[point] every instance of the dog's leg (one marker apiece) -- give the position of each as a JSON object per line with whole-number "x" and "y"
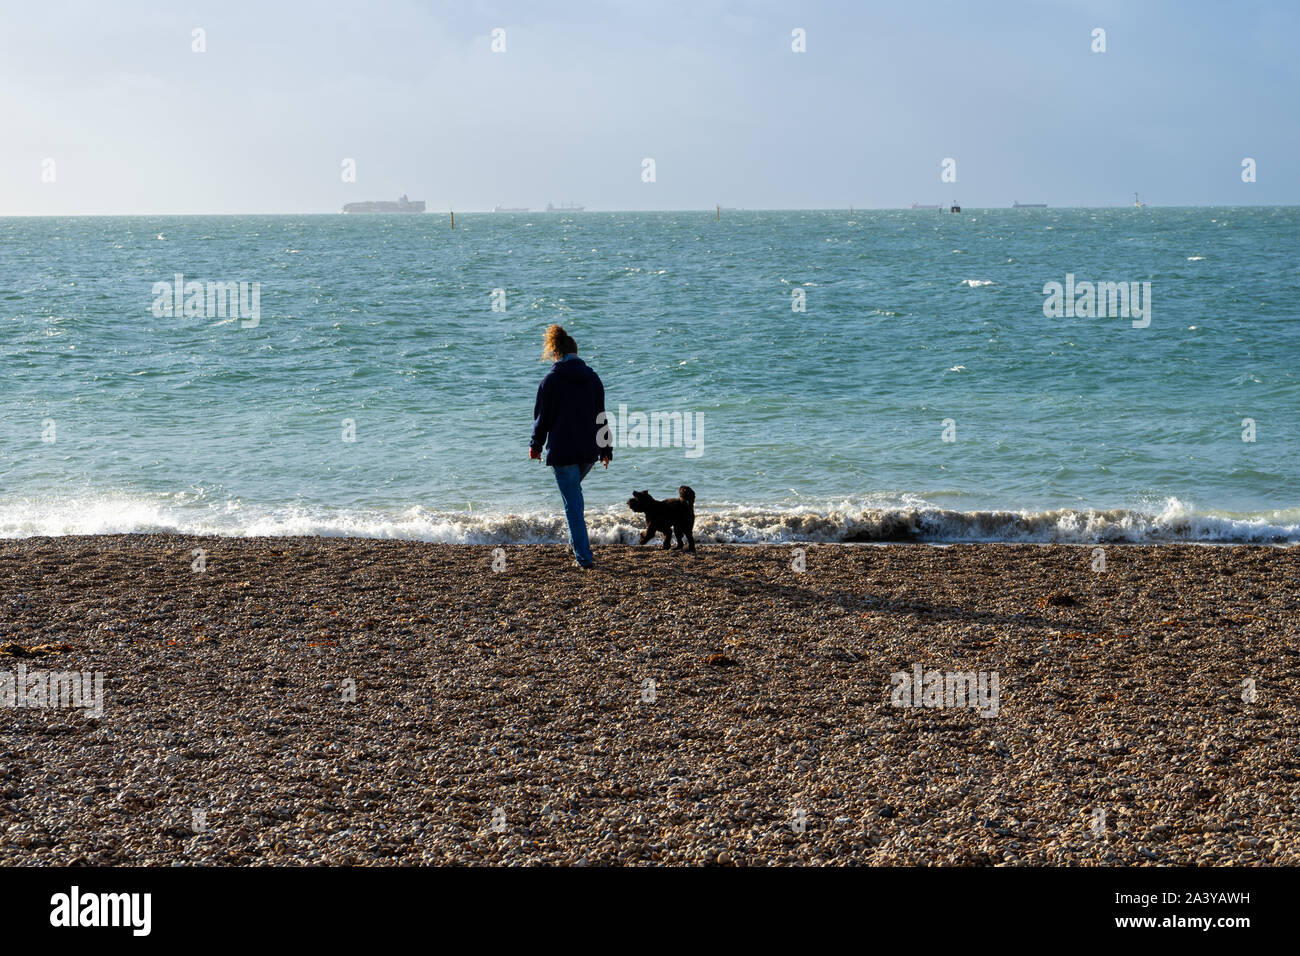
{"x": 690, "y": 536}
{"x": 645, "y": 535}
{"x": 677, "y": 533}
{"x": 668, "y": 537}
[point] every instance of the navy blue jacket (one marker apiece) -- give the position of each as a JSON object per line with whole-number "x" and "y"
{"x": 569, "y": 400}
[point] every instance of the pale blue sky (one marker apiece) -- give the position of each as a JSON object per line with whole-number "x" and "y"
{"x": 260, "y": 122}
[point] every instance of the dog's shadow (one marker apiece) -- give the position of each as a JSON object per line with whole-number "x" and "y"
{"x": 854, "y": 601}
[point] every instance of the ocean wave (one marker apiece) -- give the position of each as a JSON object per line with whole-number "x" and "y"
{"x": 919, "y": 523}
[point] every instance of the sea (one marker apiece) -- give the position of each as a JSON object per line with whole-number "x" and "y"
{"x": 814, "y": 376}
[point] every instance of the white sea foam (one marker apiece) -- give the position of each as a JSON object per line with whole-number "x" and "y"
{"x": 907, "y": 522}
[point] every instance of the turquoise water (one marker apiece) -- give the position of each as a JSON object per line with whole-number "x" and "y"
{"x": 826, "y": 424}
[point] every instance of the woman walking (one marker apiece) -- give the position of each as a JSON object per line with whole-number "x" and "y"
{"x": 567, "y": 419}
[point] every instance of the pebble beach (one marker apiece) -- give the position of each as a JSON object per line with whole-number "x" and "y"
{"x": 287, "y": 701}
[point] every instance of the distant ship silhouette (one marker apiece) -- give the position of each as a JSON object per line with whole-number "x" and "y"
{"x": 402, "y": 205}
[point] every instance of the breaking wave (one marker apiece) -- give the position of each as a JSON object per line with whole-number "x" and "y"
{"x": 922, "y": 523}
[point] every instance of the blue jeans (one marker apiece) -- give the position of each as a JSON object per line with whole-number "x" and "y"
{"x": 569, "y": 478}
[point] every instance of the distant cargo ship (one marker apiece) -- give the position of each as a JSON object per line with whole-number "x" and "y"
{"x": 1028, "y": 205}
{"x": 511, "y": 209}
{"x": 919, "y": 206}
{"x": 383, "y": 205}
{"x": 564, "y": 207}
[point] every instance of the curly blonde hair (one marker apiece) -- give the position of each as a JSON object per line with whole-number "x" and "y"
{"x": 557, "y": 343}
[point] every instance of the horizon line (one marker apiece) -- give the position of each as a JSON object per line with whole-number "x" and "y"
{"x": 688, "y": 209}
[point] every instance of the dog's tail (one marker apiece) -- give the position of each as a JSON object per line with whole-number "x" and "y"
{"x": 686, "y": 494}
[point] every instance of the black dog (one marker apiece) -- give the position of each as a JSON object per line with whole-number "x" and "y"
{"x": 676, "y": 516}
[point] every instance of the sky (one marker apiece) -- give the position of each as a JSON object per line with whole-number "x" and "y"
{"x": 112, "y": 103}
